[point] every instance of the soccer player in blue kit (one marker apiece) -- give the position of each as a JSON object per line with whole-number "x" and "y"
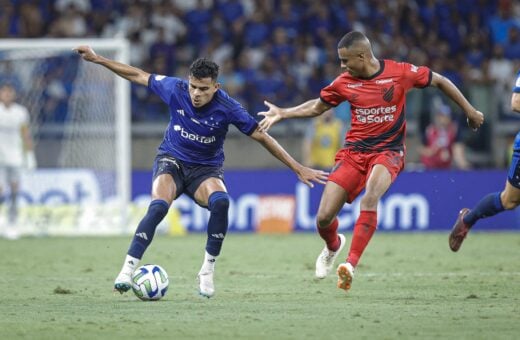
{"x": 497, "y": 202}
{"x": 191, "y": 155}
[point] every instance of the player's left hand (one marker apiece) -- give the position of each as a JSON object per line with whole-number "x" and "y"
{"x": 272, "y": 116}
{"x": 308, "y": 175}
{"x": 475, "y": 119}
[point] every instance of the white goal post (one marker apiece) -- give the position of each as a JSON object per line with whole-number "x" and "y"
{"x": 80, "y": 120}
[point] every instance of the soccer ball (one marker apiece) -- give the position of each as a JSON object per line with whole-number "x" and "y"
{"x": 150, "y": 282}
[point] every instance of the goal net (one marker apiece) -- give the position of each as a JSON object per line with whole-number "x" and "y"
{"x": 80, "y": 123}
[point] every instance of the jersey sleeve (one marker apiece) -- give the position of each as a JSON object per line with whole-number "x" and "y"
{"x": 416, "y": 76}
{"x": 330, "y": 94}
{"x": 516, "y": 88}
{"x": 24, "y": 116}
{"x": 243, "y": 120}
{"x": 163, "y": 86}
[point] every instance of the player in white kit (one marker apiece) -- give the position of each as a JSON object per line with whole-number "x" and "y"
{"x": 16, "y": 152}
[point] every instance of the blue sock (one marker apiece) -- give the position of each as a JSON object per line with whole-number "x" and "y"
{"x": 218, "y": 205}
{"x": 488, "y": 206}
{"x": 146, "y": 228}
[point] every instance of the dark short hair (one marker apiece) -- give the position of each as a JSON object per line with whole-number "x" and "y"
{"x": 7, "y": 84}
{"x": 350, "y": 38}
{"x": 204, "y": 68}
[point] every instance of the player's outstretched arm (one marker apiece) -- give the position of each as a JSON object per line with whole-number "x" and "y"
{"x": 306, "y": 175}
{"x": 311, "y": 108}
{"x": 128, "y": 72}
{"x": 475, "y": 117}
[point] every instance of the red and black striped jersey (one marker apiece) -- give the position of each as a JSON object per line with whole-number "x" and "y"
{"x": 377, "y": 104}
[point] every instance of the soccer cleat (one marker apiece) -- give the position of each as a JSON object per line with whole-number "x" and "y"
{"x": 206, "y": 286}
{"x": 459, "y": 231}
{"x": 345, "y": 274}
{"x": 123, "y": 282}
{"x": 326, "y": 259}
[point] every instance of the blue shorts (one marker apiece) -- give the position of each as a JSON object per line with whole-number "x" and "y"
{"x": 514, "y": 170}
{"x": 187, "y": 177}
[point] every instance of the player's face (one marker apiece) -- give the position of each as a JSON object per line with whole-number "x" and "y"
{"x": 351, "y": 61}
{"x": 202, "y": 90}
{"x": 7, "y": 95}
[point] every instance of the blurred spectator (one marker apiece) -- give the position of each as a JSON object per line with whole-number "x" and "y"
{"x": 442, "y": 147}
{"x": 166, "y": 18}
{"x": 31, "y": 20}
{"x": 71, "y": 23}
{"x": 323, "y": 138}
{"x": 64, "y": 5}
{"x": 501, "y": 22}
{"x": 8, "y": 20}
{"x": 512, "y": 46}
{"x": 501, "y": 71}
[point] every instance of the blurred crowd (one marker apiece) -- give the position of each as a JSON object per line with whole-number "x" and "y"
{"x": 285, "y": 50}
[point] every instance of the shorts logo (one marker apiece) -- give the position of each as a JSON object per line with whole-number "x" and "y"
{"x": 171, "y": 160}
{"x": 336, "y": 166}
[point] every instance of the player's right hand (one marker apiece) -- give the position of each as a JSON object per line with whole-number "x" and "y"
{"x": 309, "y": 175}
{"x": 475, "y": 119}
{"x": 86, "y": 52}
{"x": 272, "y": 116}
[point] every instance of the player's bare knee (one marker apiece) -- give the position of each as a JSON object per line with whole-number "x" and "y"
{"x": 324, "y": 219}
{"x": 369, "y": 202}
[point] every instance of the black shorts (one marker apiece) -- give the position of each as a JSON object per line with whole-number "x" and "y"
{"x": 187, "y": 177}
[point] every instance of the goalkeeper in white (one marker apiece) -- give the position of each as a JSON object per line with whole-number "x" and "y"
{"x": 16, "y": 152}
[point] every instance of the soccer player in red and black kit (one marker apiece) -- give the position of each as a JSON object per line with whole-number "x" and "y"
{"x": 374, "y": 151}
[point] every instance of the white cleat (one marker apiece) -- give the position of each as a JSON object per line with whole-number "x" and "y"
{"x": 123, "y": 282}
{"x": 345, "y": 275}
{"x": 326, "y": 259}
{"x": 206, "y": 286}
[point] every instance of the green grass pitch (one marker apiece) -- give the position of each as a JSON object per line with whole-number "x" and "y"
{"x": 407, "y": 286}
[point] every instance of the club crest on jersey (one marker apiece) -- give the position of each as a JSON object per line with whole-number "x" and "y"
{"x": 388, "y": 94}
{"x": 353, "y": 97}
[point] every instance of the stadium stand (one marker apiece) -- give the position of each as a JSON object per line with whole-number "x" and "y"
{"x": 284, "y": 50}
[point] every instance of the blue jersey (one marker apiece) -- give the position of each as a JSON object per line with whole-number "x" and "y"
{"x": 196, "y": 135}
{"x": 516, "y": 89}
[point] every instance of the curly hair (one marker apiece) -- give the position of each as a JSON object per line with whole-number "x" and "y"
{"x": 204, "y": 68}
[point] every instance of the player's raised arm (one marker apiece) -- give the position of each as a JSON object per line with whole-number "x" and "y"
{"x": 475, "y": 117}
{"x": 305, "y": 174}
{"x": 128, "y": 72}
{"x": 311, "y": 108}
